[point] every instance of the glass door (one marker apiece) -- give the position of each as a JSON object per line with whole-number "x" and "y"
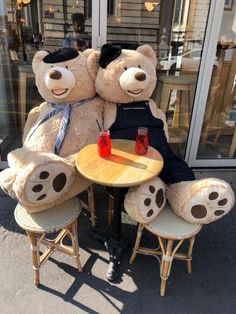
{"x": 176, "y": 30}
{"x": 27, "y": 26}
{"x": 213, "y": 133}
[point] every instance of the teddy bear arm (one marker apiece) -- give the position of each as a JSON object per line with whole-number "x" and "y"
{"x": 31, "y": 120}
{"x": 71, "y": 159}
{"x": 159, "y": 114}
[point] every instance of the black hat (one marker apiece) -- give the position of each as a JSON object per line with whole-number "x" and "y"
{"x": 61, "y": 55}
{"x": 108, "y": 54}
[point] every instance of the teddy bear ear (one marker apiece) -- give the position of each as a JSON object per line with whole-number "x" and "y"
{"x": 93, "y": 62}
{"x": 87, "y": 52}
{"x": 38, "y": 57}
{"x": 148, "y": 52}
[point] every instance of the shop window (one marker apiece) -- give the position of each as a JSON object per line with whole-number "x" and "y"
{"x": 88, "y": 8}
{"x": 179, "y": 12}
{"x": 110, "y": 7}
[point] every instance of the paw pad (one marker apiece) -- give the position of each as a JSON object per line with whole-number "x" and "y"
{"x": 152, "y": 189}
{"x": 199, "y": 211}
{"x": 48, "y": 182}
{"x": 223, "y": 202}
{"x": 44, "y": 175}
{"x": 147, "y": 202}
{"x": 152, "y": 202}
{"x": 160, "y": 198}
{"x": 213, "y": 196}
{"x": 41, "y": 197}
{"x": 208, "y": 205}
{"x": 37, "y": 188}
{"x": 59, "y": 182}
{"x": 219, "y": 212}
{"x": 144, "y": 203}
{"x": 151, "y": 199}
{"x": 150, "y": 213}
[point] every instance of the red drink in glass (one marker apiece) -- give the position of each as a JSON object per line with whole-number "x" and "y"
{"x": 104, "y": 144}
{"x": 141, "y": 145}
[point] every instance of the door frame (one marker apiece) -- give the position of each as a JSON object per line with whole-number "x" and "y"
{"x": 99, "y": 23}
{"x": 202, "y": 90}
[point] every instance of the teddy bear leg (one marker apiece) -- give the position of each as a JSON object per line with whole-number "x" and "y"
{"x": 144, "y": 203}
{"x": 201, "y": 201}
{"x": 44, "y": 179}
{"x": 7, "y": 178}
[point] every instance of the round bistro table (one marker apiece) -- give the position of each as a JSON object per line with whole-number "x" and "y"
{"x": 124, "y": 168}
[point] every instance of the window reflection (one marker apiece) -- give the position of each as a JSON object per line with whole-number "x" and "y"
{"x": 218, "y": 137}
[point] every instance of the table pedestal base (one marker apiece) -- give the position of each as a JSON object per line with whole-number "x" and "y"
{"x": 114, "y": 248}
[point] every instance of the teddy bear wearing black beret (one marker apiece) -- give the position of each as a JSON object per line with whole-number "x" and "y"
{"x": 126, "y": 80}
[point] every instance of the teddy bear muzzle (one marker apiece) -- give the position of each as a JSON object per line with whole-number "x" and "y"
{"x": 133, "y": 81}
{"x": 59, "y": 81}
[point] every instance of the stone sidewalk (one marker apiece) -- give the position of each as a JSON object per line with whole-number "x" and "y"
{"x": 211, "y": 288}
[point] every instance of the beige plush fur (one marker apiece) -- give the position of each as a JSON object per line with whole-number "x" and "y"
{"x": 201, "y": 201}
{"x": 136, "y": 196}
{"x": 129, "y": 78}
{"x": 37, "y": 177}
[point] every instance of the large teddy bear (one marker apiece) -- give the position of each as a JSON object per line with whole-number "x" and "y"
{"x": 42, "y": 173}
{"x": 126, "y": 80}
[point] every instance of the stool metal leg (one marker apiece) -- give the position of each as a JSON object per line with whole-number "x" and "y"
{"x": 137, "y": 243}
{"x": 75, "y": 244}
{"x": 35, "y": 256}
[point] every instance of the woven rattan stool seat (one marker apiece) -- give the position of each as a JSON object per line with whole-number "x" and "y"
{"x": 170, "y": 226}
{"x": 49, "y": 220}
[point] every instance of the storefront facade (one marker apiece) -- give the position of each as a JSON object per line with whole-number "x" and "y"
{"x": 195, "y": 42}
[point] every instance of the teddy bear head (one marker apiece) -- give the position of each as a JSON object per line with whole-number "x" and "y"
{"x": 126, "y": 75}
{"x": 62, "y": 76}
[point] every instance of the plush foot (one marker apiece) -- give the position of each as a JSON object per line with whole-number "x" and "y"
{"x": 201, "y": 201}
{"x": 144, "y": 203}
{"x": 45, "y": 183}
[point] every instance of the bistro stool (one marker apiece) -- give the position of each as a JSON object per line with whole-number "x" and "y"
{"x": 61, "y": 219}
{"x": 168, "y": 228}
{"x": 184, "y": 85}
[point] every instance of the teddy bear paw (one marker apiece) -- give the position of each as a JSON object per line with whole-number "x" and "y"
{"x": 47, "y": 183}
{"x": 145, "y": 202}
{"x": 208, "y": 204}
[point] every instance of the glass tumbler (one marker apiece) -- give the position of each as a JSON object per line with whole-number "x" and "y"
{"x": 104, "y": 144}
{"x": 141, "y": 145}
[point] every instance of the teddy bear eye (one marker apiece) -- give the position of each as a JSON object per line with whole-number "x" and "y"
{"x": 139, "y": 66}
{"x": 125, "y": 68}
{"x": 66, "y": 66}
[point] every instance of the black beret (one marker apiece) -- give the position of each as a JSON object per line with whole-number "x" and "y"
{"x": 108, "y": 54}
{"x": 61, "y": 55}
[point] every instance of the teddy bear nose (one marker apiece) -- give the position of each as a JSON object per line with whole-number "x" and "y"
{"x": 55, "y": 75}
{"x": 140, "y": 76}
